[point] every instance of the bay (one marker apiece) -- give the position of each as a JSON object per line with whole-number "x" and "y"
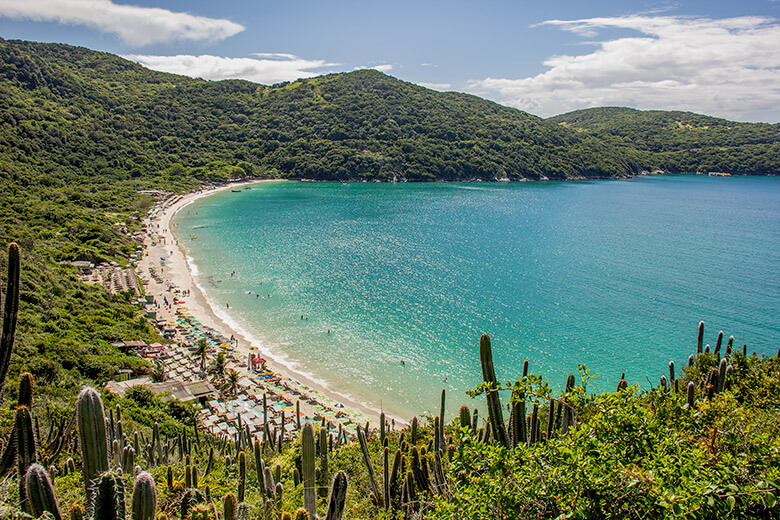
{"x": 381, "y": 291}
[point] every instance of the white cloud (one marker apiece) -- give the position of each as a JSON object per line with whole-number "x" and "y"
{"x": 728, "y": 67}
{"x": 282, "y": 67}
{"x": 133, "y": 24}
{"x": 381, "y": 67}
{"x": 435, "y": 86}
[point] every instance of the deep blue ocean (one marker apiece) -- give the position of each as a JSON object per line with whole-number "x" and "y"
{"x": 615, "y": 275}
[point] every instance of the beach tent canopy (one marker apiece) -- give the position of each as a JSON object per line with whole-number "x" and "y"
{"x": 258, "y": 360}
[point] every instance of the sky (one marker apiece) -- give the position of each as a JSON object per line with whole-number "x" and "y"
{"x": 715, "y": 57}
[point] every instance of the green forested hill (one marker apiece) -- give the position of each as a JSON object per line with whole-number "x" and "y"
{"x": 684, "y": 142}
{"x": 102, "y": 114}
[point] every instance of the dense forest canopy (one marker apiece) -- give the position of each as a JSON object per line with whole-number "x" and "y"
{"x": 684, "y": 142}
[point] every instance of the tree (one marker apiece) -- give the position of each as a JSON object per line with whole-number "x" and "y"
{"x": 158, "y": 374}
{"x": 201, "y": 351}
{"x": 218, "y": 369}
{"x": 231, "y": 384}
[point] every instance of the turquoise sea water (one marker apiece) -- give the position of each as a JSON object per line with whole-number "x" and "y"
{"x": 612, "y": 274}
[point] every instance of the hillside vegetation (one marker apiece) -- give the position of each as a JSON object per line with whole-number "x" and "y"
{"x": 684, "y": 142}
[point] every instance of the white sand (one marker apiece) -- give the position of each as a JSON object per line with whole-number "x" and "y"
{"x": 176, "y": 272}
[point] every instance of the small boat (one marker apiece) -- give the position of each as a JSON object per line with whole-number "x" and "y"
{"x": 193, "y": 238}
{"x": 236, "y": 191}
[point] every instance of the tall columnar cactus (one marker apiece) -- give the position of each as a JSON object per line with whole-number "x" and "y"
{"x": 229, "y": 506}
{"x": 494, "y": 405}
{"x": 338, "y": 497}
{"x": 109, "y": 493}
{"x": 144, "y": 497}
{"x": 729, "y": 346}
{"x": 367, "y": 460}
{"x": 465, "y": 417}
{"x": 440, "y": 431}
{"x": 323, "y": 456}
{"x": 26, "y": 387}
{"x": 700, "y": 341}
{"x": 10, "y": 312}
{"x": 722, "y": 375}
{"x": 241, "y": 476}
{"x": 690, "y": 396}
{"x": 717, "y": 344}
{"x": 92, "y": 438}
{"x": 40, "y": 493}
{"x": 25, "y": 448}
{"x": 567, "y": 421}
{"x": 413, "y": 433}
{"x": 550, "y": 420}
{"x": 386, "y": 475}
{"x": 307, "y": 467}
{"x": 671, "y": 372}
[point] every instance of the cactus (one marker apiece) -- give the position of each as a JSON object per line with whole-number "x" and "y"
{"x": 568, "y": 413}
{"x": 550, "y": 420}
{"x": 413, "y": 439}
{"x": 494, "y": 406}
{"x": 367, "y": 460}
{"x": 722, "y": 375}
{"x": 382, "y": 428}
{"x": 128, "y": 459}
{"x": 465, "y": 417}
{"x": 40, "y": 493}
{"x": 717, "y": 344}
{"x": 323, "y": 456}
{"x": 229, "y": 504}
{"x": 534, "y": 437}
{"x": 25, "y": 448}
{"x": 671, "y": 372}
{"x": 241, "y": 476}
{"x": 302, "y": 514}
{"x": 144, "y": 497}
{"x": 700, "y": 341}
{"x": 26, "y": 387}
{"x": 92, "y": 438}
{"x": 338, "y": 497}
{"x": 209, "y": 462}
{"x": 664, "y": 383}
{"x": 386, "y": 475}
{"x": 440, "y": 431}
{"x": 307, "y": 467}
{"x": 10, "y": 312}
{"x": 189, "y": 499}
{"x": 729, "y": 346}
{"x": 109, "y": 498}
{"x": 691, "y": 390}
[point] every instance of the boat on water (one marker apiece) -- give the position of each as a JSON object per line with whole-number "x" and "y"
{"x": 236, "y": 191}
{"x": 719, "y": 174}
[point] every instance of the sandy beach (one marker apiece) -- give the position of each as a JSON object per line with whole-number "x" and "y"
{"x": 177, "y": 279}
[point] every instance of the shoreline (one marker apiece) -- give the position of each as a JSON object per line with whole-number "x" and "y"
{"x": 177, "y": 272}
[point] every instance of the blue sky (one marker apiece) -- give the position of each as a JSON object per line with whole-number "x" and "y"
{"x": 545, "y": 57}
